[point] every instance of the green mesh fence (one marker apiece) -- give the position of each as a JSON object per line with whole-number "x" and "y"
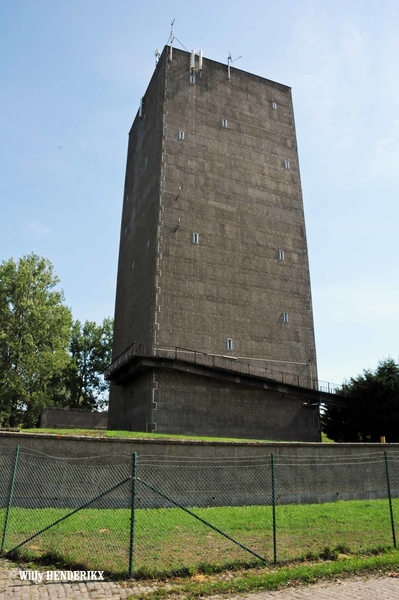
{"x": 231, "y": 498}
{"x": 191, "y": 516}
{"x": 329, "y": 507}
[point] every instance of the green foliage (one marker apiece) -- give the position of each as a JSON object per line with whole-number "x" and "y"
{"x": 46, "y": 359}
{"x": 34, "y": 335}
{"x": 373, "y": 407}
{"x": 90, "y": 349}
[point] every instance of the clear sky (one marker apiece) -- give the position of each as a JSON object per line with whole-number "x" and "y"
{"x": 71, "y": 77}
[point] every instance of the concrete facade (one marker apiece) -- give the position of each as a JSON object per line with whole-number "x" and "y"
{"x": 213, "y": 248}
{"x": 186, "y": 403}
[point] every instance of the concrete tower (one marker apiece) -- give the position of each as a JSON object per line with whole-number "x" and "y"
{"x": 213, "y": 321}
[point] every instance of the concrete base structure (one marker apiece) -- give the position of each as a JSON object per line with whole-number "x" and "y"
{"x": 188, "y": 404}
{"x": 166, "y": 395}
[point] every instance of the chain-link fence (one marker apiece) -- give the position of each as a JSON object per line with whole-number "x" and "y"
{"x": 142, "y": 516}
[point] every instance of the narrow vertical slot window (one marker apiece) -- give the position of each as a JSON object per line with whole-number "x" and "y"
{"x": 281, "y": 254}
{"x": 285, "y": 317}
{"x": 192, "y": 78}
{"x": 274, "y": 105}
{"x": 229, "y": 344}
{"x": 224, "y": 122}
{"x": 287, "y": 165}
{"x": 195, "y": 238}
{"x": 181, "y": 135}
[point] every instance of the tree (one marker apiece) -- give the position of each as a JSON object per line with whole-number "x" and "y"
{"x": 90, "y": 349}
{"x": 34, "y": 334}
{"x": 372, "y": 407}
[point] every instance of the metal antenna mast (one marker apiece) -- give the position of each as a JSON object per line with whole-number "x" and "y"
{"x": 171, "y": 38}
{"x": 230, "y": 62}
{"x": 172, "y": 33}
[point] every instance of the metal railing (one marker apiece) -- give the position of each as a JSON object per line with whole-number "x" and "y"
{"x": 254, "y": 367}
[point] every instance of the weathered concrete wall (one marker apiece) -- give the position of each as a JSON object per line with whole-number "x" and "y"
{"x": 135, "y": 295}
{"x": 119, "y": 450}
{"x": 169, "y": 401}
{"x": 231, "y": 186}
{"x": 68, "y": 471}
{"x": 195, "y": 405}
{"x": 138, "y": 404}
{"x": 60, "y": 418}
{"x": 238, "y": 187}
{"x": 132, "y": 406}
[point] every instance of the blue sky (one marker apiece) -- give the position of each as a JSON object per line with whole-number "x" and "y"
{"x": 72, "y": 74}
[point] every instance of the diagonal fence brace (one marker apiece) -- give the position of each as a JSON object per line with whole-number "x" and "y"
{"x": 154, "y": 489}
{"x": 69, "y": 515}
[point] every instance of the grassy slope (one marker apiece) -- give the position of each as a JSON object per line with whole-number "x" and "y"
{"x": 142, "y": 435}
{"x": 137, "y": 435}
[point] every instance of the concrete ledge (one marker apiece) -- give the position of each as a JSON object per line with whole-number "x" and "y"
{"x": 119, "y": 450}
{"x": 140, "y": 363}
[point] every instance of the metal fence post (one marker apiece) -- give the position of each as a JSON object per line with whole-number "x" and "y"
{"x": 10, "y": 494}
{"x": 390, "y": 499}
{"x": 132, "y": 513}
{"x": 273, "y": 508}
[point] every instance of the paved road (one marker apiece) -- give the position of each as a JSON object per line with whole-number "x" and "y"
{"x": 354, "y": 588}
{"x": 358, "y": 588}
{"x": 13, "y": 588}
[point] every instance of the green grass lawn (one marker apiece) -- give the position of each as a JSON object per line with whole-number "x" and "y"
{"x": 137, "y": 434}
{"x": 169, "y": 541}
{"x": 256, "y": 579}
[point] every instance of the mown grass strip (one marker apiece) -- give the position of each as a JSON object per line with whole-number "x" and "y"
{"x": 266, "y": 579}
{"x": 169, "y": 542}
{"x": 141, "y": 435}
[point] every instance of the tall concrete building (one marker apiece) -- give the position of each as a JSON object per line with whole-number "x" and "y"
{"x": 213, "y": 321}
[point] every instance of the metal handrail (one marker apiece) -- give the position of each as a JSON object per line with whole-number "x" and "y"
{"x": 224, "y": 362}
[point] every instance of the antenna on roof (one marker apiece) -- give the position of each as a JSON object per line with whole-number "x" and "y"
{"x": 171, "y": 38}
{"x": 230, "y": 62}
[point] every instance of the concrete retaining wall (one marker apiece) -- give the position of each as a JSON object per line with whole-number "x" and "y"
{"x": 72, "y": 419}
{"x": 105, "y": 450}
{"x": 67, "y": 471}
